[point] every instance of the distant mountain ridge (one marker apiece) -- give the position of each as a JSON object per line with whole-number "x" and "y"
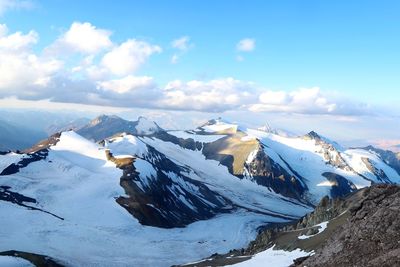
{"x": 106, "y": 126}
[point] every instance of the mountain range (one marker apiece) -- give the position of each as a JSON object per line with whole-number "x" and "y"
{"x": 134, "y": 194}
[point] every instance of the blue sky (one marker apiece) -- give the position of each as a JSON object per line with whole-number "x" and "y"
{"x": 335, "y": 58}
{"x": 346, "y": 46}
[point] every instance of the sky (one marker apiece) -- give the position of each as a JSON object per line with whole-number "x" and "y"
{"x": 328, "y": 65}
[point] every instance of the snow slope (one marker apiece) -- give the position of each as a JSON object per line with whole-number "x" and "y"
{"x": 8, "y": 261}
{"x": 77, "y": 183}
{"x": 305, "y": 157}
{"x": 196, "y": 137}
{"x": 271, "y": 257}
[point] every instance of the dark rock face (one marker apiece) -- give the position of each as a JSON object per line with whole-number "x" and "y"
{"x": 380, "y": 174}
{"x": 171, "y": 199}
{"x": 340, "y": 185}
{"x": 371, "y": 235}
{"x": 188, "y": 143}
{"x": 267, "y": 172}
{"x": 329, "y": 151}
{"x": 104, "y": 126}
{"x": 32, "y": 157}
{"x": 14, "y": 197}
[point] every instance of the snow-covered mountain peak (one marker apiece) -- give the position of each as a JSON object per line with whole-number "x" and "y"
{"x": 146, "y": 127}
{"x": 268, "y": 129}
{"x": 103, "y": 119}
{"x": 323, "y": 141}
{"x": 70, "y": 141}
{"x": 313, "y": 135}
{"x": 219, "y": 126}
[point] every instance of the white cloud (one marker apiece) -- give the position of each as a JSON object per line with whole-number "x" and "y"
{"x": 214, "y": 95}
{"x": 3, "y": 29}
{"x": 174, "y": 59}
{"x": 181, "y": 43}
{"x": 303, "y": 101}
{"x": 83, "y": 38}
{"x": 108, "y": 79}
{"x": 246, "y": 45}
{"x": 128, "y": 57}
{"x": 23, "y": 72}
{"x": 127, "y": 84}
{"x": 274, "y": 97}
{"x": 16, "y": 41}
{"x": 6, "y": 5}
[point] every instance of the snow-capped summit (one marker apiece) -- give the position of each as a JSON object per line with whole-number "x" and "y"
{"x": 218, "y": 126}
{"x": 146, "y": 127}
{"x": 312, "y": 135}
{"x": 269, "y": 129}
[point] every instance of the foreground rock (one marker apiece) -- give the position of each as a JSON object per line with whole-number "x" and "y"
{"x": 371, "y": 235}
{"x": 362, "y": 229}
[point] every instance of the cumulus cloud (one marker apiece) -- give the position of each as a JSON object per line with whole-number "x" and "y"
{"x": 17, "y": 41}
{"x": 29, "y": 75}
{"x": 106, "y": 75}
{"x": 22, "y": 71}
{"x": 127, "y": 57}
{"x": 306, "y": 101}
{"x": 127, "y": 84}
{"x": 246, "y": 45}
{"x": 83, "y": 38}
{"x": 215, "y": 95}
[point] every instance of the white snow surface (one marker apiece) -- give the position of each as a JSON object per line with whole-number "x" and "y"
{"x": 217, "y": 177}
{"x": 8, "y": 159}
{"x": 303, "y": 156}
{"x": 321, "y": 227}
{"x": 77, "y": 183}
{"x": 197, "y": 137}
{"x": 219, "y": 126}
{"x": 354, "y": 158}
{"x": 126, "y": 144}
{"x": 145, "y": 126}
{"x": 273, "y": 258}
{"x": 9, "y": 261}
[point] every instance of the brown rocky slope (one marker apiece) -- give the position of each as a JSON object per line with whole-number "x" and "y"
{"x": 363, "y": 229}
{"x": 369, "y": 237}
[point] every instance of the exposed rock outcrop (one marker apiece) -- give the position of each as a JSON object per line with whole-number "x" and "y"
{"x": 362, "y": 229}
{"x": 370, "y": 236}
{"x": 265, "y": 171}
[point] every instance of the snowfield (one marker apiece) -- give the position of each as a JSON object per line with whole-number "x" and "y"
{"x": 77, "y": 183}
{"x": 197, "y": 137}
{"x": 303, "y": 156}
{"x": 8, "y": 261}
{"x": 271, "y": 257}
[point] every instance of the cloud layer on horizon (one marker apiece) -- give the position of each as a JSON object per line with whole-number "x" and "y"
{"x": 83, "y": 65}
